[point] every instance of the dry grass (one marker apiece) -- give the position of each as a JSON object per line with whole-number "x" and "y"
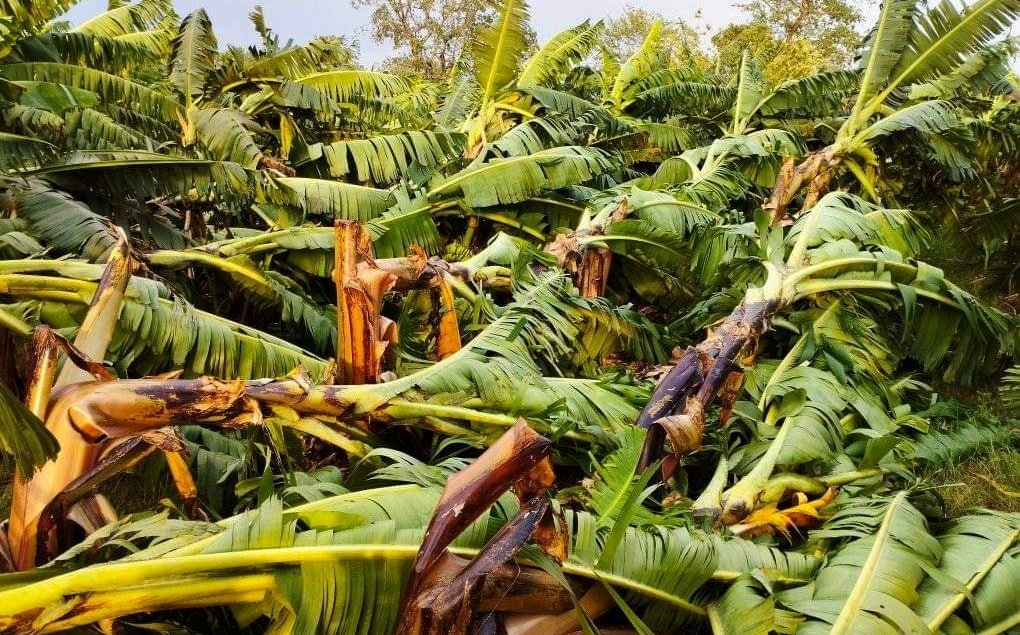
{"x": 990, "y": 479}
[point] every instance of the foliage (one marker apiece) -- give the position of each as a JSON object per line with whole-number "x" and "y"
{"x": 680, "y": 43}
{"x": 828, "y": 27}
{"x": 518, "y": 233}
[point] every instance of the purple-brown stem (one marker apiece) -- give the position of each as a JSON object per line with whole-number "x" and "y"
{"x": 676, "y": 408}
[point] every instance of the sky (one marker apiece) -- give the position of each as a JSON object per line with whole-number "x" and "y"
{"x": 304, "y": 19}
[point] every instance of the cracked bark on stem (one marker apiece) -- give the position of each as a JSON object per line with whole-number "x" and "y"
{"x": 696, "y": 379}
{"x": 589, "y": 265}
{"x": 814, "y": 172}
{"x": 676, "y": 408}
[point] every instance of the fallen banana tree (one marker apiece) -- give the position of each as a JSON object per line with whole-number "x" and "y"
{"x": 820, "y": 262}
{"x": 31, "y": 495}
{"x": 93, "y": 413}
{"x": 89, "y": 415}
{"x": 443, "y": 592}
{"x": 101, "y": 410}
{"x": 827, "y": 415}
{"x": 266, "y": 561}
{"x": 826, "y": 253}
{"x": 106, "y": 425}
{"x": 41, "y": 500}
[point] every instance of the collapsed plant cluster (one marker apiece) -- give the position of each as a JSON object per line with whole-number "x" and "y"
{"x": 491, "y": 356}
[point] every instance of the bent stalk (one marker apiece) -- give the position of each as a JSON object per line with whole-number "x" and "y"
{"x": 32, "y": 494}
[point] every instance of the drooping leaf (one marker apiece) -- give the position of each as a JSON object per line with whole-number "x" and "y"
{"x": 554, "y": 58}
{"x": 193, "y": 56}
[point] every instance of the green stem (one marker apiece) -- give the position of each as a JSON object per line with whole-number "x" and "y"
{"x": 469, "y": 233}
{"x": 787, "y": 362}
{"x": 526, "y": 114}
{"x": 813, "y": 287}
{"x": 714, "y": 619}
{"x": 263, "y": 242}
{"x": 444, "y": 427}
{"x": 28, "y": 266}
{"x": 591, "y": 573}
{"x": 411, "y": 410}
{"x": 742, "y": 498}
{"x": 782, "y": 483}
{"x": 711, "y": 496}
{"x": 461, "y": 288}
{"x": 489, "y": 272}
{"x": 248, "y": 81}
{"x": 500, "y": 219}
{"x": 178, "y": 259}
{"x": 62, "y": 297}
{"x": 121, "y": 576}
{"x": 601, "y": 239}
{"x": 15, "y": 282}
{"x": 854, "y": 263}
{"x": 850, "y": 477}
{"x": 179, "y": 594}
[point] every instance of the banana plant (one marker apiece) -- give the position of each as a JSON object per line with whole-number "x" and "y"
{"x": 909, "y": 45}
{"x": 77, "y": 117}
{"x": 883, "y": 568}
{"x": 677, "y": 409}
{"x": 822, "y": 260}
{"x": 239, "y": 180}
{"x": 475, "y": 375}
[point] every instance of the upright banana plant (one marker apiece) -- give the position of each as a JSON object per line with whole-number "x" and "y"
{"x": 908, "y": 46}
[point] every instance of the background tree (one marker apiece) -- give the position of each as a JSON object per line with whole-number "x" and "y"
{"x": 790, "y": 38}
{"x": 427, "y": 34}
{"x": 830, "y": 26}
{"x": 779, "y": 60}
{"x": 680, "y": 43}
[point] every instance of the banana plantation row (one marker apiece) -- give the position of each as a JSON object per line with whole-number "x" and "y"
{"x": 561, "y": 343}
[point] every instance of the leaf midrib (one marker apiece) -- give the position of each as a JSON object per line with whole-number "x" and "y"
{"x": 504, "y": 29}
{"x": 854, "y": 601}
